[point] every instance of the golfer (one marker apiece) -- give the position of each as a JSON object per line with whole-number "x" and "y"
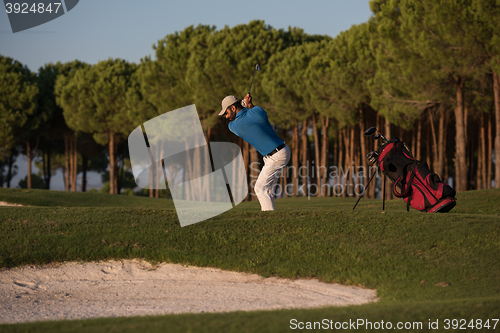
{"x": 252, "y": 125}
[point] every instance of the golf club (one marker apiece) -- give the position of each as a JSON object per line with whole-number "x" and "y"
{"x": 379, "y": 135}
{"x": 372, "y": 157}
{"x": 353, "y": 208}
{"x": 257, "y": 68}
{"x": 372, "y": 131}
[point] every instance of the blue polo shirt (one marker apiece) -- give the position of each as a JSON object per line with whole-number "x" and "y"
{"x": 252, "y": 125}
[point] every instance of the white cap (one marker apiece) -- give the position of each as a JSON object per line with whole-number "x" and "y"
{"x": 227, "y": 102}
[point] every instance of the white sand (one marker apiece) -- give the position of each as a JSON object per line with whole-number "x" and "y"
{"x": 3, "y": 203}
{"x": 131, "y": 287}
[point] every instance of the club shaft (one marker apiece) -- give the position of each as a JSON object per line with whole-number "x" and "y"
{"x": 383, "y": 137}
{"x": 364, "y": 190}
{"x": 254, "y": 72}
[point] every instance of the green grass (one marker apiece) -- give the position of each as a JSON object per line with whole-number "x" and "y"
{"x": 280, "y": 321}
{"x": 78, "y": 199}
{"x": 405, "y": 255}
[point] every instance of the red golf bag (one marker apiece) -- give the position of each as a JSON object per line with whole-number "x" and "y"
{"x": 413, "y": 181}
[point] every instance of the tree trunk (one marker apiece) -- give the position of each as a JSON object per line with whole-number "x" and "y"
{"x": 489, "y": 153}
{"x": 196, "y": 171}
{"x": 373, "y": 186}
{"x": 441, "y": 143}
{"x": 479, "y": 175}
{"x": 435, "y": 150}
{"x": 295, "y": 160}
{"x": 496, "y": 92}
{"x": 44, "y": 167}
{"x": 483, "y": 152}
{"x": 71, "y": 165}
{"x": 461, "y": 140}
{"x": 387, "y": 133}
{"x": 158, "y": 174}
{"x": 317, "y": 157}
{"x": 117, "y": 141}
{"x": 11, "y": 163}
{"x": 340, "y": 170}
{"x": 303, "y": 160}
{"x": 336, "y": 157}
{"x": 351, "y": 161}
{"x": 446, "y": 173}
{"x": 364, "y": 162}
{"x": 85, "y": 162}
{"x": 347, "y": 179}
{"x": 413, "y": 142}
{"x": 325, "y": 184}
{"x": 152, "y": 180}
{"x": 471, "y": 165}
{"x": 344, "y": 171}
{"x": 67, "y": 139}
{"x": 74, "y": 165}
{"x": 388, "y": 187}
{"x": 121, "y": 176}
{"x": 428, "y": 149}
{"x": 357, "y": 161}
{"x": 112, "y": 163}
{"x": 28, "y": 155}
{"x": 445, "y": 152}
{"x": 284, "y": 173}
{"x": 185, "y": 175}
{"x": 419, "y": 140}
{"x": 49, "y": 169}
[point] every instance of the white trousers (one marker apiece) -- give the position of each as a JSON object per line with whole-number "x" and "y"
{"x": 269, "y": 176}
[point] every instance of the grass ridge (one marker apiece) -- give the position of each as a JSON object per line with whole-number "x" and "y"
{"x": 410, "y": 257}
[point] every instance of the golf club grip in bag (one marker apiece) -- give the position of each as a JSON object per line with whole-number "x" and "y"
{"x": 413, "y": 181}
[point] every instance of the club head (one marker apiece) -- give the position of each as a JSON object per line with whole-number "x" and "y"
{"x": 376, "y": 137}
{"x": 257, "y": 67}
{"x": 370, "y": 131}
{"x": 372, "y": 157}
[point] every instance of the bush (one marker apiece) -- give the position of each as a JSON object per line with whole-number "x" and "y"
{"x": 36, "y": 182}
{"x": 105, "y": 188}
{"x": 128, "y": 191}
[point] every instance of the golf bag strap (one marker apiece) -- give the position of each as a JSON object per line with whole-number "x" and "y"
{"x": 404, "y": 192}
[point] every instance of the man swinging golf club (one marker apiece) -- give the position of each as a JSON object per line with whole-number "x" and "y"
{"x": 250, "y": 123}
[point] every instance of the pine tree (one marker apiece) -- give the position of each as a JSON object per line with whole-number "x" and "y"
{"x": 435, "y": 40}
{"x": 18, "y": 104}
{"x": 94, "y": 101}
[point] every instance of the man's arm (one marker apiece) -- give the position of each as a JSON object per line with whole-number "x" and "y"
{"x": 248, "y": 101}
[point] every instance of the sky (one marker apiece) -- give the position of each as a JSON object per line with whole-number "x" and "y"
{"x": 96, "y": 30}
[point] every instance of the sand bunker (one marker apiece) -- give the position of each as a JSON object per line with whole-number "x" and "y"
{"x": 132, "y": 288}
{"x": 4, "y": 203}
